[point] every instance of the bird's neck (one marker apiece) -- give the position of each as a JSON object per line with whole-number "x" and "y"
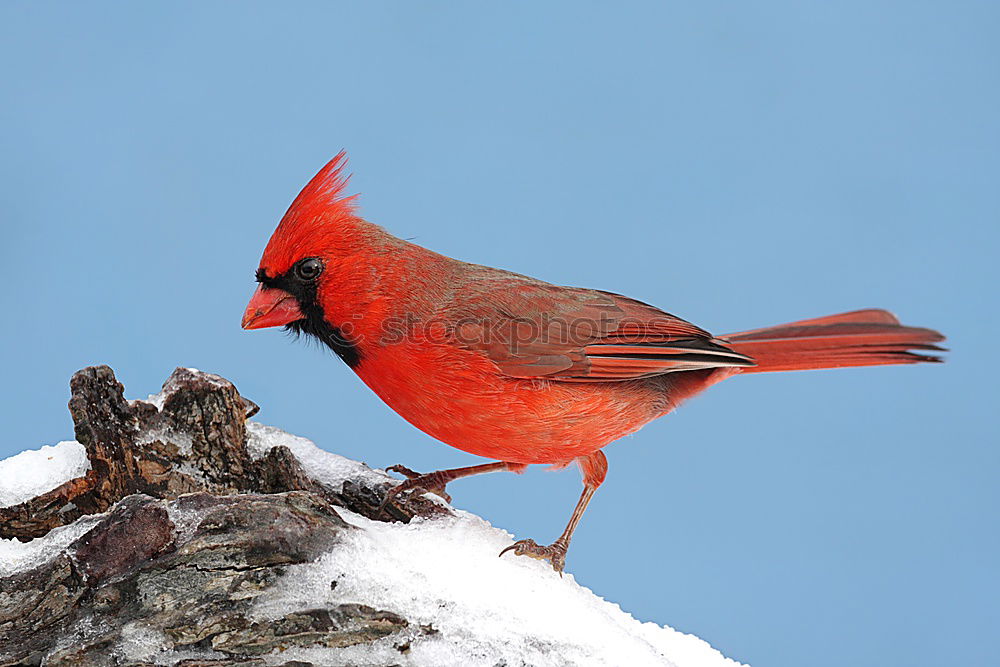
{"x": 381, "y": 283}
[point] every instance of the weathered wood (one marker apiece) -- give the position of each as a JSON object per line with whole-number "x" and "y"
{"x": 193, "y": 586}
{"x": 196, "y": 442}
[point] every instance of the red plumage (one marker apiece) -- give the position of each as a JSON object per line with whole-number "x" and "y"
{"x": 861, "y": 338}
{"x": 511, "y": 368}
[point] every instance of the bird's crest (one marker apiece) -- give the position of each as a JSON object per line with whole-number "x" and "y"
{"x": 326, "y": 191}
{"x": 318, "y": 219}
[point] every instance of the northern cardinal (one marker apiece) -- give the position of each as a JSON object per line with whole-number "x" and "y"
{"x": 512, "y": 368}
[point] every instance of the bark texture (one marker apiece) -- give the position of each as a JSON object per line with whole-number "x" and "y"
{"x": 196, "y": 442}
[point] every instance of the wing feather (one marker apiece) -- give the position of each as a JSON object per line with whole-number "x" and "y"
{"x": 534, "y": 329}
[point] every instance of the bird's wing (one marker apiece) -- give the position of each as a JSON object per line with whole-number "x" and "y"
{"x": 533, "y": 329}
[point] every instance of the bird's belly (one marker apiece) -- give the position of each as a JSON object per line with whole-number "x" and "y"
{"x": 462, "y": 400}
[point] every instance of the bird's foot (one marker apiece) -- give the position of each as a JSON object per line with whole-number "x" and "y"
{"x": 433, "y": 482}
{"x": 555, "y": 553}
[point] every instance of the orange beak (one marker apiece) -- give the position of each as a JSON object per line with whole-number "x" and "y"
{"x": 271, "y": 308}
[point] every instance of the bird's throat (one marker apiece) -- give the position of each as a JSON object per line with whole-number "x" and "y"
{"x": 315, "y": 325}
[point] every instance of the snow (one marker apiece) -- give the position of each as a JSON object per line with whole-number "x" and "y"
{"x": 18, "y": 556}
{"x": 321, "y": 465}
{"x": 442, "y": 572}
{"x": 140, "y": 643}
{"x": 158, "y": 398}
{"x": 164, "y": 434}
{"x": 445, "y": 572}
{"x": 36, "y": 471}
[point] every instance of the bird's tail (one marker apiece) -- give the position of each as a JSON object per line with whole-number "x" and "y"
{"x": 860, "y": 338}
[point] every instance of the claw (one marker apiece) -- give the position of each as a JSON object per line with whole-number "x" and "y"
{"x": 555, "y": 553}
{"x": 429, "y": 483}
{"x": 403, "y": 470}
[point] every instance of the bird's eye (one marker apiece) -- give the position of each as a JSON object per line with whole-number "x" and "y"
{"x": 308, "y": 269}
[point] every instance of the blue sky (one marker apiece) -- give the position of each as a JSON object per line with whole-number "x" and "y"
{"x": 738, "y": 164}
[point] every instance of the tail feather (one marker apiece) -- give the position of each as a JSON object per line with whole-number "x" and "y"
{"x": 861, "y": 338}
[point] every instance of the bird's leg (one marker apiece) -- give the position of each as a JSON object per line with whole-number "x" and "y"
{"x": 434, "y": 482}
{"x": 595, "y": 468}
{"x": 555, "y": 553}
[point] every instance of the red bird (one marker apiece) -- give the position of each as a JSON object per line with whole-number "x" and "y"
{"x": 511, "y": 368}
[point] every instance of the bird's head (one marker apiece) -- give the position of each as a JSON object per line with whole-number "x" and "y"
{"x": 308, "y": 262}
